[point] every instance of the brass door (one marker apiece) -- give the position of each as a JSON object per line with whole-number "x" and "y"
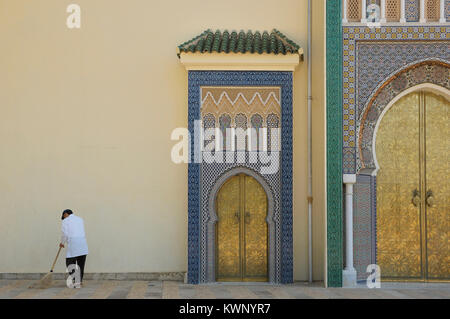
{"x": 241, "y": 230}
{"x": 413, "y": 194}
{"x": 437, "y": 188}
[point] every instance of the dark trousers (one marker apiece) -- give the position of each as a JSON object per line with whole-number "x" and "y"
{"x": 80, "y": 261}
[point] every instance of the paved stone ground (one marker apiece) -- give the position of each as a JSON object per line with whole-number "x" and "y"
{"x": 109, "y": 289}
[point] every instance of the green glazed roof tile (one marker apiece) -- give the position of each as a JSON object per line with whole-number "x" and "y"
{"x": 225, "y": 41}
{"x": 274, "y": 42}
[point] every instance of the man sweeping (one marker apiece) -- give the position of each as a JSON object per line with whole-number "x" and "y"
{"x": 74, "y": 236}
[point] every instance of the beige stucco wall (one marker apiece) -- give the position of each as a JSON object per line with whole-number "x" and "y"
{"x": 85, "y": 123}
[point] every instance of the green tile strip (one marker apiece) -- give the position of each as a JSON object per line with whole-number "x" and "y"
{"x": 274, "y": 42}
{"x": 334, "y": 143}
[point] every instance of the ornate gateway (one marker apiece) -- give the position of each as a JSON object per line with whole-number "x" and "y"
{"x": 393, "y": 92}
{"x": 240, "y": 186}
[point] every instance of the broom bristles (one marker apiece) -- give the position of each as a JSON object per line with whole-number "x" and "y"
{"x": 45, "y": 282}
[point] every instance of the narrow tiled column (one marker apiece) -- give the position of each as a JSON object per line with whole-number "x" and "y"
{"x": 344, "y": 14}
{"x": 422, "y": 12}
{"x": 383, "y": 11}
{"x": 402, "y": 11}
{"x": 442, "y": 12}
{"x": 349, "y": 272}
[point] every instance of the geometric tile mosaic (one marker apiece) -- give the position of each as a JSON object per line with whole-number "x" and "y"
{"x": 348, "y": 160}
{"x": 369, "y": 2}
{"x": 412, "y": 12}
{"x": 363, "y": 225}
{"x": 447, "y": 10}
{"x": 377, "y": 61}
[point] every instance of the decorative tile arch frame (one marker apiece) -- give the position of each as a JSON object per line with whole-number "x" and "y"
{"x": 197, "y": 270}
{"x": 393, "y": 47}
{"x": 439, "y": 90}
{"x": 212, "y": 220}
{"x": 432, "y": 75}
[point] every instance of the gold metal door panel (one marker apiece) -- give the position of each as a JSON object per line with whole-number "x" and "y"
{"x": 255, "y": 237}
{"x": 413, "y": 194}
{"x": 241, "y": 231}
{"x": 398, "y": 220}
{"x": 228, "y": 229}
{"x": 437, "y": 186}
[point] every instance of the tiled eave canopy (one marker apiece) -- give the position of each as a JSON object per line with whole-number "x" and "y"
{"x": 244, "y": 51}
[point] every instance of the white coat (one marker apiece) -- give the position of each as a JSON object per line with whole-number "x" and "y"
{"x": 74, "y": 236}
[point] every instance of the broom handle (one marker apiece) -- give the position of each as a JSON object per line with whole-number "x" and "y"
{"x": 56, "y": 258}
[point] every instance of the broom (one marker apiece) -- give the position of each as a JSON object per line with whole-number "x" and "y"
{"x": 46, "y": 281}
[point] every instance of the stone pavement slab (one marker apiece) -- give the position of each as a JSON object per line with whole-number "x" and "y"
{"x": 154, "y": 290}
{"x": 14, "y": 288}
{"x": 138, "y": 290}
{"x": 142, "y": 289}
